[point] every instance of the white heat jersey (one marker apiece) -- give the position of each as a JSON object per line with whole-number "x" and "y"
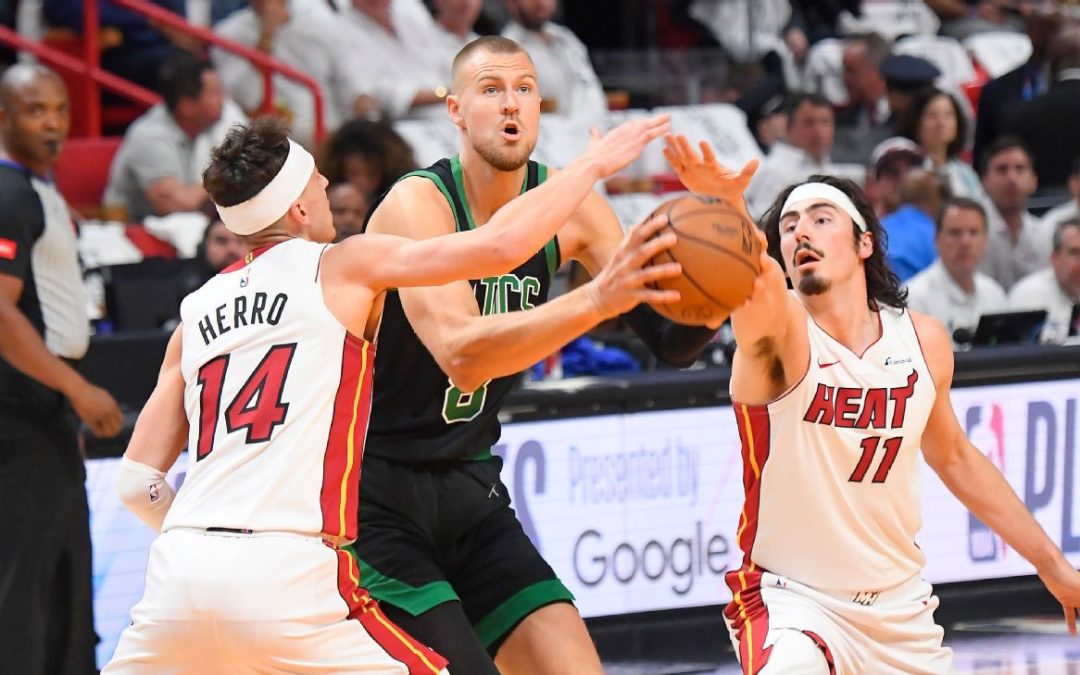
{"x": 831, "y": 468}
{"x": 278, "y": 394}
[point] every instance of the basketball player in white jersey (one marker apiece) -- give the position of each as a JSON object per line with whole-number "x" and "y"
{"x": 837, "y": 386}
{"x": 268, "y": 384}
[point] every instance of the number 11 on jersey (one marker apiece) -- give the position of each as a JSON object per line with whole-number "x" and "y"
{"x": 869, "y": 449}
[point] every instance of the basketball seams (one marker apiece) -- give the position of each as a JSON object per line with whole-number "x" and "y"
{"x": 719, "y": 249}
{"x": 711, "y": 208}
{"x": 698, "y": 286}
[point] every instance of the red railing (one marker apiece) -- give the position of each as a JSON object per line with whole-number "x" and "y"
{"x": 261, "y": 60}
{"x": 90, "y": 110}
{"x": 90, "y": 65}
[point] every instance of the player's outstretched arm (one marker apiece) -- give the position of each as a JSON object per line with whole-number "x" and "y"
{"x": 704, "y": 175}
{"x": 978, "y": 484}
{"x": 770, "y": 335}
{"x": 161, "y": 432}
{"x": 472, "y": 349}
{"x": 516, "y": 231}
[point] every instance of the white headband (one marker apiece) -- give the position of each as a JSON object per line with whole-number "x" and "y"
{"x": 828, "y": 193}
{"x": 274, "y": 200}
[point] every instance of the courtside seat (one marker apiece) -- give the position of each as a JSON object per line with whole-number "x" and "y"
{"x": 82, "y": 171}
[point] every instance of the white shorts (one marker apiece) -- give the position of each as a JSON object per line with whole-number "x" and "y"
{"x": 260, "y": 603}
{"x": 864, "y": 633}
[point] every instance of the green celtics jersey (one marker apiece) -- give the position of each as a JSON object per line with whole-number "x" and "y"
{"x": 417, "y": 414}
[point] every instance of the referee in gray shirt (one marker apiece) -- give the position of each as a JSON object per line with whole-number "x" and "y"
{"x": 46, "y": 616}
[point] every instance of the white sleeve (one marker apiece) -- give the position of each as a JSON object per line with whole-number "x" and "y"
{"x": 243, "y": 81}
{"x": 144, "y": 491}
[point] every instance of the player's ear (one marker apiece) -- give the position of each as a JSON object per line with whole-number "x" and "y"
{"x": 453, "y": 106}
{"x": 299, "y": 212}
{"x": 866, "y": 245}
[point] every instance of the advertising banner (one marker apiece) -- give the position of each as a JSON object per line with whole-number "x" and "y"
{"x": 639, "y": 512}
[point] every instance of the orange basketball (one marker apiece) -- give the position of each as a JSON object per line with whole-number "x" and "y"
{"x": 719, "y": 252}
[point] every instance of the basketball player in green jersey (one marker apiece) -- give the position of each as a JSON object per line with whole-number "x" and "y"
{"x": 439, "y": 545}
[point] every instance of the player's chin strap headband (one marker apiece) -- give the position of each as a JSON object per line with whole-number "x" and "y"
{"x": 829, "y": 194}
{"x": 274, "y": 200}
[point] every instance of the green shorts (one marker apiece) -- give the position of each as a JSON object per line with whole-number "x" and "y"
{"x": 445, "y": 531}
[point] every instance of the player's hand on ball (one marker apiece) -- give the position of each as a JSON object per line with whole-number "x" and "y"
{"x": 1063, "y": 581}
{"x": 703, "y": 174}
{"x": 625, "y": 281}
{"x": 616, "y": 149}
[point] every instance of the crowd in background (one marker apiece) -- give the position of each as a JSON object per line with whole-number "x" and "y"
{"x": 956, "y": 116}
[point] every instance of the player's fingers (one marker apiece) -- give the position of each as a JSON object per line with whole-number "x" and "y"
{"x": 674, "y": 160}
{"x": 685, "y": 149}
{"x": 1070, "y": 618}
{"x": 658, "y": 297}
{"x": 662, "y": 127}
{"x": 653, "y": 273}
{"x": 651, "y": 248}
{"x": 749, "y": 169}
{"x": 654, "y": 224}
{"x": 707, "y": 153}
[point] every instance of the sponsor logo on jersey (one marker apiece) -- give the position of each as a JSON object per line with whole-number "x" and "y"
{"x": 866, "y": 598}
{"x": 861, "y": 408}
{"x": 894, "y": 361}
{"x": 823, "y": 366}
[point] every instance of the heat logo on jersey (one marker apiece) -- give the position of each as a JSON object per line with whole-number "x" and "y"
{"x": 861, "y": 408}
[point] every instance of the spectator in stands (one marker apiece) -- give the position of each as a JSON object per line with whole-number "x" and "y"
{"x": 1047, "y": 123}
{"x": 369, "y": 155}
{"x": 1022, "y": 83}
{"x": 747, "y": 29}
{"x": 951, "y": 289}
{"x": 46, "y": 613}
{"x": 805, "y": 153}
{"x": 960, "y": 19}
{"x": 937, "y": 123}
{"x": 132, "y": 47}
{"x": 906, "y": 78}
{"x": 158, "y": 168}
{"x": 1070, "y": 208}
{"x": 890, "y": 161}
{"x": 1019, "y": 242}
{"x": 864, "y": 121}
{"x": 454, "y": 21}
{"x": 910, "y": 230}
{"x": 391, "y": 47}
{"x": 568, "y": 84}
{"x": 348, "y": 206}
{"x": 303, "y": 34}
{"x": 1055, "y": 289}
{"x": 218, "y": 249}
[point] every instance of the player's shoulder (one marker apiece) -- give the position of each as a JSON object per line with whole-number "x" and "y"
{"x": 413, "y": 206}
{"x": 935, "y": 342}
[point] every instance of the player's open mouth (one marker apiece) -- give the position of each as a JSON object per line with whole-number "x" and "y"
{"x": 805, "y": 257}
{"x": 511, "y": 131}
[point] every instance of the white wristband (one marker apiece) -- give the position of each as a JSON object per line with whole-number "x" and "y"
{"x": 144, "y": 491}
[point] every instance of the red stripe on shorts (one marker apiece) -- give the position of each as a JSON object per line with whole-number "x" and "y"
{"x": 820, "y": 642}
{"x": 401, "y": 646}
{"x": 749, "y": 617}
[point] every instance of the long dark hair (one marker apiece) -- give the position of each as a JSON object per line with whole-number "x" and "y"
{"x": 910, "y": 123}
{"x": 882, "y": 285}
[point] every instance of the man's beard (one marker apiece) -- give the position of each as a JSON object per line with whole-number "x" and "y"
{"x": 813, "y": 285}
{"x": 504, "y": 159}
{"x": 530, "y": 22}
